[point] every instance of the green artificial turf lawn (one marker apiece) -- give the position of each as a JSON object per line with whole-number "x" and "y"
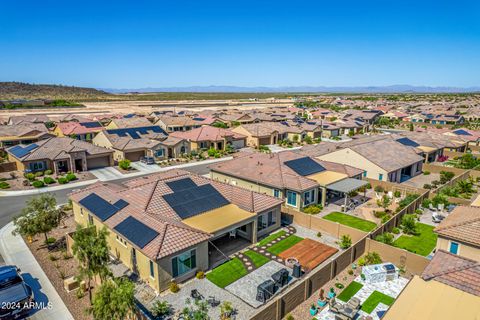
{"x": 271, "y": 237}
{"x": 257, "y": 259}
{"x": 227, "y": 273}
{"x": 350, "y": 291}
{"x": 375, "y": 298}
{"x": 284, "y": 244}
{"x": 351, "y": 221}
{"x": 423, "y": 243}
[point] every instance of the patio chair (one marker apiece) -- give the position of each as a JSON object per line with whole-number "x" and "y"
{"x": 354, "y": 303}
{"x": 390, "y": 194}
{"x": 431, "y": 207}
{"x": 212, "y": 301}
{"x": 233, "y": 233}
{"x": 196, "y": 295}
{"x": 335, "y": 306}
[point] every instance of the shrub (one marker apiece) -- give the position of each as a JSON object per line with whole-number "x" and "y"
{"x": 38, "y": 184}
{"x": 124, "y": 164}
{"x": 339, "y": 285}
{"x": 363, "y": 277}
{"x": 379, "y": 189}
{"x": 174, "y": 287}
{"x": 350, "y": 272}
{"x": 397, "y": 194}
{"x": 395, "y": 230}
{"x": 313, "y": 209}
{"x": 345, "y": 241}
{"x": 407, "y": 200}
{"x": 70, "y": 177}
{"x": 385, "y": 218}
{"x": 436, "y": 183}
{"x": 48, "y": 172}
{"x": 289, "y": 317}
{"x": 30, "y": 176}
{"x": 409, "y": 224}
{"x": 426, "y": 203}
{"x": 48, "y": 180}
{"x": 386, "y": 238}
{"x": 4, "y": 185}
{"x": 426, "y": 173}
{"x": 161, "y": 308}
{"x": 200, "y": 275}
{"x": 319, "y": 234}
{"x": 379, "y": 214}
{"x": 418, "y": 211}
{"x": 51, "y": 240}
{"x": 427, "y": 186}
{"x": 38, "y": 174}
{"x": 372, "y": 258}
{"x": 62, "y": 180}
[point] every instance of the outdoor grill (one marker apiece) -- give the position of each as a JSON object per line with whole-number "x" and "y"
{"x": 280, "y": 277}
{"x": 380, "y": 272}
{"x": 265, "y": 290}
{"x": 391, "y": 272}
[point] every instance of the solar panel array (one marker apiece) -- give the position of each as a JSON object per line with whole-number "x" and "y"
{"x": 408, "y": 142}
{"x": 181, "y": 184}
{"x": 135, "y": 231}
{"x": 461, "y": 132}
{"x": 305, "y": 166}
{"x": 195, "y": 200}
{"x": 20, "y": 152}
{"x": 198, "y": 119}
{"x": 136, "y": 133}
{"x": 101, "y": 207}
{"x": 91, "y": 124}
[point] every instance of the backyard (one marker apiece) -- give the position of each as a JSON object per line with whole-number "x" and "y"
{"x": 227, "y": 273}
{"x": 422, "y": 243}
{"x": 351, "y": 221}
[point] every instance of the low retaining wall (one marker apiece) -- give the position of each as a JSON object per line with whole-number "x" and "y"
{"x": 8, "y": 166}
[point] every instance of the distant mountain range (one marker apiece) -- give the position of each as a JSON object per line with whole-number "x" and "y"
{"x": 316, "y": 89}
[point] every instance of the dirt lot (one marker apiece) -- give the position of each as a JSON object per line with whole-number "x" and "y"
{"x": 17, "y": 183}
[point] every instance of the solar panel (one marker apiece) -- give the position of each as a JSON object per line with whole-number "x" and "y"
{"x": 190, "y": 202}
{"x": 305, "y": 166}
{"x": 135, "y": 133}
{"x": 461, "y": 132}
{"x": 198, "y": 119}
{"x": 91, "y": 124}
{"x": 182, "y": 184}
{"x": 101, "y": 207}
{"x": 20, "y": 152}
{"x": 408, "y": 142}
{"x": 135, "y": 231}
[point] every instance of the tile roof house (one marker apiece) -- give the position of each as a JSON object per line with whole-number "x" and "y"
{"x": 207, "y": 137}
{"x": 173, "y": 123}
{"x": 459, "y": 232}
{"x": 59, "y": 155}
{"x": 135, "y": 143}
{"x": 275, "y": 174}
{"x": 39, "y": 118}
{"x": 133, "y": 122}
{"x": 84, "y": 131}
{"x": 167, "y": 226}
{"x": 22, "y": 133}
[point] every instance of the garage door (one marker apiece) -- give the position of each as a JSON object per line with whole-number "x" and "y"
{"x": 134, "y": 156}
{"x": 99, "y": 162}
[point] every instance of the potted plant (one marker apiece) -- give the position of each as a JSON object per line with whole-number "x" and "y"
{"x": 331, "y": 294}
{"x": 321, "y": 299}
{"x": 313, "y": 309}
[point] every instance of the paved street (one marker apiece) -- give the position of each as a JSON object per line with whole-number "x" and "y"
{"x": 11, "y": 206}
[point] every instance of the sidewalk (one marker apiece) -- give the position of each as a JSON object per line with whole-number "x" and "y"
{"x": 104, "y": 177}
{"x": 15, "y": 252}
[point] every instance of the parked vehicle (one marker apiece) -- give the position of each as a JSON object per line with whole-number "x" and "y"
{"x": 148, "y": 160}
{"x": 16, "y": 296}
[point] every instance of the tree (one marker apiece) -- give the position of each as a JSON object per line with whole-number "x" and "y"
{"x": 40, "y": 215}
{"x": 409, "y": 224}
{"x": 219, "y": 124}
{"x": 345, "y": 241}
{"x": 114, "y": 300}
{"x": 384, "y": 202}
{"x": 91, "y": 249}
{"x": 308, "y": 139}
{"x": 295, "y": 138}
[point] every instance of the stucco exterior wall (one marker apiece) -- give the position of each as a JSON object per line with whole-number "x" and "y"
{"x": 464, "y": 249}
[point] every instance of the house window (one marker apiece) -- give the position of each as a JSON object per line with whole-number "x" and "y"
{"x": 184, "y": 263}
{"x": 308, "y": 197}
{"x": 364, "y": 173}
{"x": 292, "y": 198}
{"x": 276, "y": 193}
{"x": 454, "y": 247}
{"x": 203, "y": 145}
{"x": 152, "y": 269}
{"x": 266, "y": 220}
{"x": 36, "y": 166}
{"x": 159, "y": 153}
{"x": 183, "y": 149}
{"x": 90, "y": 219}
{"x": 380, "y": 176}
{"x": 81, "y": 211}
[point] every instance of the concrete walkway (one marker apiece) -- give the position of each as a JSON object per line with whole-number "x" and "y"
{"x": 110, "y": 174}
{"x": 15, "y": 252}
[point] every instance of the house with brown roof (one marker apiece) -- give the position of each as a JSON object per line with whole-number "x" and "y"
{"x": 174, "y": 123}
{"x": 296, "y": 179}
{"x": 449, "y": 288}
{"x": 131, "y": 122}
{"x": 38, "y": 118}
{"x": 59, "y": 155}
{"x": 207, "y": 137}
{"x": 84, "y": 131}
{"x": 136, "y": 143}
{"x": 459, "y": 232}
{"x": 168, "y": 226}
{"x": 22, "y": 133}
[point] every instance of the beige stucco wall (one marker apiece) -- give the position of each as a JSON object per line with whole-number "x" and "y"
{"x": 351, "y": 158}
{"x": 464, "y": 250}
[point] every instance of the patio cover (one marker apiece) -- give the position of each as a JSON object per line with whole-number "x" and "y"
{"x": 325, "y": 178}
{"x": 347, "y": 185}
{"x": 476, "y": 202}
{"x": 433, "y": 300}
{"x": 219, "y": 219}
{"x": 427, "y": 149}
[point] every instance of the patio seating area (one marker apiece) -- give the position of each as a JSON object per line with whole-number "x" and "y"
{"x": 309, "y": 253}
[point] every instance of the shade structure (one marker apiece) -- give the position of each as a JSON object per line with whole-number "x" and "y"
{"x": 219, "y": 219}
{"x": 325, "y": 178}
{"x": 347, "y": 185}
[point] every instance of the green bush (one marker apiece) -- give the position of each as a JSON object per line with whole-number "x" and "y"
{"x": 4, "y": 185}
{"x": 397, "y": 194}
{"x": 395, "y": 230}
{"x": 426, "y": 203}
{"x": 70, "y": 177}
{"x": 379, "y": 189}
{"x": 313, "y": 209}
{"x": 38, "y": 184}
{"x": 30, "y": 176}
{"x": 62, "y": 180}
{"x": 427, "y": 186}
{"x": 379, "y": 214}
{"x": 386, "y": 238}
{"x": 426, "y": 173}
{"x": 124, "y": 164}
{"x": 51, "y": 240}
{"x": 38, "y": 174}
{"x": 48, "y": 172}
{"x": 345, "y": 241}
{"x": 48, "y": 180}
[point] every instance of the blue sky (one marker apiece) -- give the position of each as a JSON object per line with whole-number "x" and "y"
{"x": 135, "y": 44}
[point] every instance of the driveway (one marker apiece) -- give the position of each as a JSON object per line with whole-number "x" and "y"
{"x": 106, "y": 174}
{"x": 15, "y": 252}
{"x": 145, "y": 168}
